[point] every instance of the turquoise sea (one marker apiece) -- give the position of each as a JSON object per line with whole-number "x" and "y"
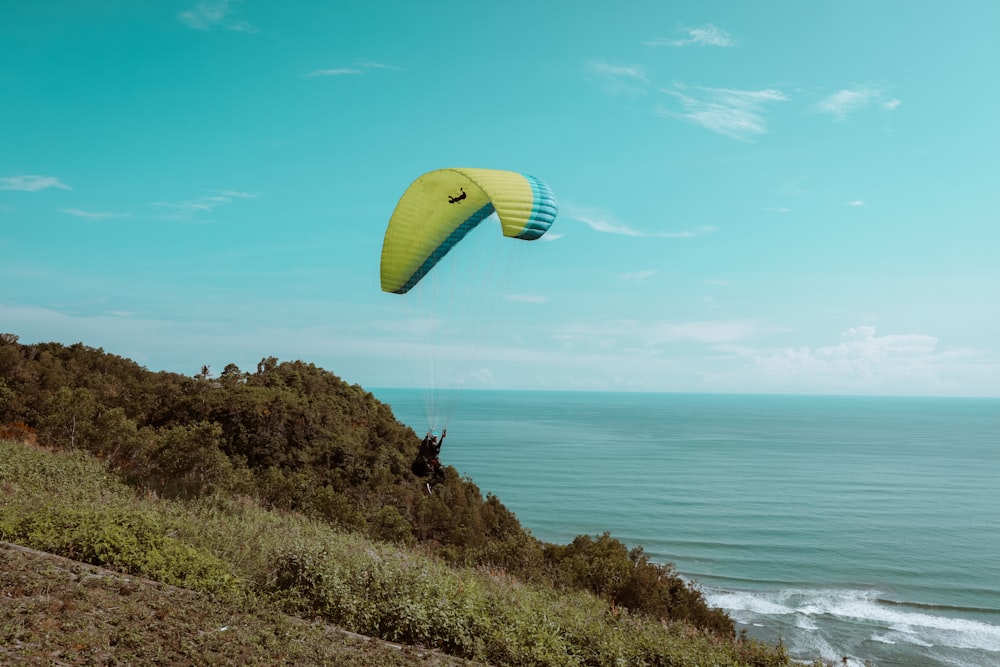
{"x": 858, "y": 527}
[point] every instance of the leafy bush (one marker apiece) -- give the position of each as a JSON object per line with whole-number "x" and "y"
{"x": 119, "y": 538}
{"x": 67, "y": 505}
{"x": 627, "y": 578}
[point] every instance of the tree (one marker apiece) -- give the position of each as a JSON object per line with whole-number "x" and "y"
{"x": 115, "y": 438}
{"x": 188, "y": 459}
{"x": 231, "y": 376}
{"x": 68, "y": 416}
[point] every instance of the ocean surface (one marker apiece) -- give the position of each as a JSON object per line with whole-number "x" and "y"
{"x": 857, "y": 527}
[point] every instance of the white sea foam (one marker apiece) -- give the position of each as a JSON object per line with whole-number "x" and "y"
{"x": 893, "y": 624}
{"x": 741, "y": 601}
{"x": 805, "y": 623}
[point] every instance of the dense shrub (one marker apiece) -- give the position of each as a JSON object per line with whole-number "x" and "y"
{"x": 627, "y": 578}
{"x": 70, "y": 507}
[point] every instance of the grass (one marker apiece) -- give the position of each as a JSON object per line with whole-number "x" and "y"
{"x": 224, "y": 581}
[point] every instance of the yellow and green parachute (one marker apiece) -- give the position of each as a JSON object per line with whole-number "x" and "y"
{"x": 441, "y": 207}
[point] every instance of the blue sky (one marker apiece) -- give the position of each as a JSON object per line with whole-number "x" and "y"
{"x": 754, "y": 197}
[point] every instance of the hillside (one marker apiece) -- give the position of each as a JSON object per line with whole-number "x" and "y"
{"x": 173, "y": 471}
{"x": 58, "y": 611}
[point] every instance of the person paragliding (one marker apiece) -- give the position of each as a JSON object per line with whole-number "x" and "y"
{"x": 449, "y": 302}
{"x": 428, "y": 462}
{"x": 433, "y": 217}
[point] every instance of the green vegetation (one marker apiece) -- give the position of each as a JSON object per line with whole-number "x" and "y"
{"x": 287, "y": 489}
{"x": 61, "y": 612}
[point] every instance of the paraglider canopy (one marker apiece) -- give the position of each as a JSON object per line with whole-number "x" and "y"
{"x": 449, "y": 302}
{"x": 441, "y": 207}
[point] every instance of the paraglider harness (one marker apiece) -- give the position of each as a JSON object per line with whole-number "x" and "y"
{"x": 427, "y": 463}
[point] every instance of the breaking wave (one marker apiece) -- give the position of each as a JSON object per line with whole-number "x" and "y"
{"x": 828, "y": 622}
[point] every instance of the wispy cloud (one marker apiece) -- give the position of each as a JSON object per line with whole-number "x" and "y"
{"x": 687, "y": 233}
{"x": 636, "y": 275}
{"x": 706, "y": 35}
{"x": 526, "y": 298}
{"x": 226, "y": 196}
{"x": 844, "y": 102}
{"x": 850, "y": 100}
{"x": 734, "y": 113}
{"x": 606, "y": 223}
{"x": 856, "y": 202}
{"x": 619, "y": 79}
{"x": 337, "y": 71}
{"x": 360, "y": 67}
{"x": 31, "y": 183}
{"x": 635, "y": 334}
{"x": 709, "y": 332}
{"x": 93, "y": 215}
{"x": 865, "y": 360}
{"x": 186, "y": 209}
{"x": 368, "y": 64}
{"x": 211, "y": 14}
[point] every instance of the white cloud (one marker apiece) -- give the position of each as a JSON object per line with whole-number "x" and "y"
{"x": 92, "y": 215}
{"x": 604, "y": 222}
{"x": 184, "y": 206}
{"x": 850, "y": 100}
{"x": 368, "y": 64}
{"x": 209, "y": 14}
{"x": 359, "y": 68}
{"x": 844, "y": 102}
{"x": 636, "y": 335}
{"x": 526, "y": 298}
{"x": 856, "y": 203}
{"x": 619, "y": 79}
{"x": 865, "y": 362}
{"x": 686, "y": 233}
{"x": 637, "y": 275}
{"x": 734, "y": 113}
{"x": 337, "y": 71}
{"x": 852, "y": 353}
{"x": 235, "y": 194}
{"x": 184, "y": 210}
{"x": 31, "y": 183}
{"x": 633, "y": 72}
{"x": 709, "y": 332}
{"x": 863, "y": 342}
{"x": 706, "y": 35}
